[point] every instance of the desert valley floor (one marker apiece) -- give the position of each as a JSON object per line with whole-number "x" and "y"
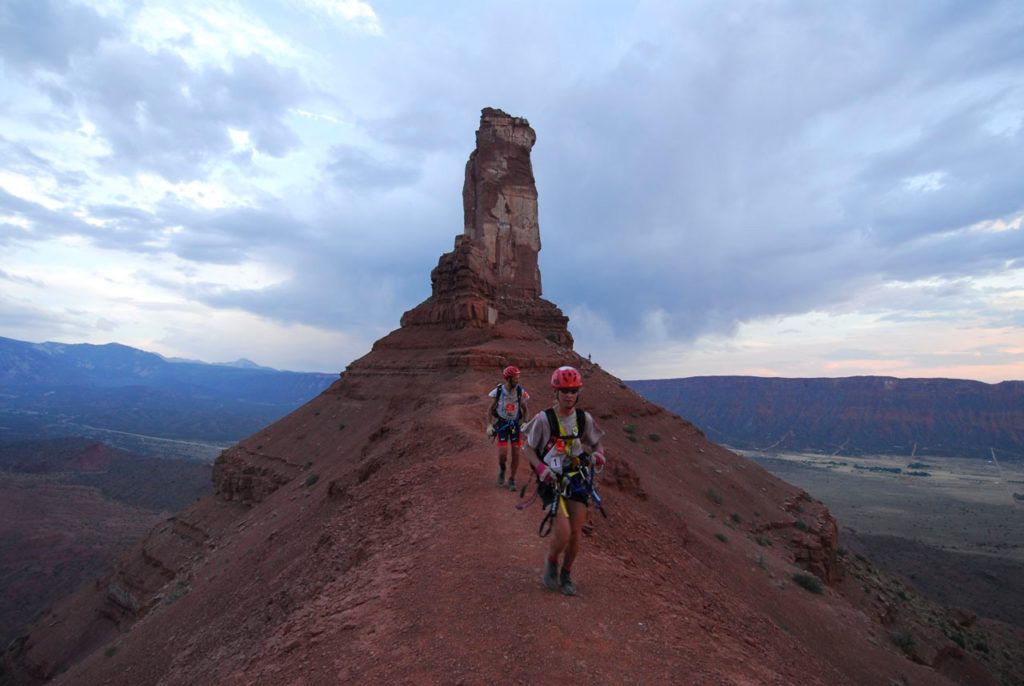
{"x": 956, "y": 534}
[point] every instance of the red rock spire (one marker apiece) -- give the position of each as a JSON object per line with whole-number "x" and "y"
{"x": 500, "y": 202}
{"x": 492, "y": 274}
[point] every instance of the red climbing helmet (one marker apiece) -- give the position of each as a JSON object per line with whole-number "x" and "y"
{"x": 566, "y": 377}
{"x": 510, "y": 372}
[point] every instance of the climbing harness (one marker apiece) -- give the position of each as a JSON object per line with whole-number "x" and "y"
{"x": 576, "y": 482}
{"x": 510, "y": 425}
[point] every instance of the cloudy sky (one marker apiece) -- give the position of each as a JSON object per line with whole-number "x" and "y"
{"x": 765, "y": 187}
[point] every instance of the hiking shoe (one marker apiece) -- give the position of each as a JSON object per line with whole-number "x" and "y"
{"x": 501, "y": 475}
{"x": 550, "y": 576}
{"x": 567, "y": 587}
{"x": 511, "y": 484}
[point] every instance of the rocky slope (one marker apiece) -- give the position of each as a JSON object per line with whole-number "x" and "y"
{"x": 69, "y": 508}
{"x": 361, "y": 539}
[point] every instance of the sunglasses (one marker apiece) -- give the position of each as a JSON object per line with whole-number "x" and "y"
{"x": 574, "y": 391}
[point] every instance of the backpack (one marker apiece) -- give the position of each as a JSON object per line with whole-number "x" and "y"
{"x": 519, "y": 400}
{"x": 556, "y": 429}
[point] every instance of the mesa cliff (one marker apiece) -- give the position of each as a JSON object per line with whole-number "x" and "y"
{"x": 862, "y": 415}
{"x": 361, "y": 538}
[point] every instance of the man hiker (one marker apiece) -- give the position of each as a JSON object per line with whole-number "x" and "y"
{"x": 565, "y": 452}
{"x": 504, "y": 419}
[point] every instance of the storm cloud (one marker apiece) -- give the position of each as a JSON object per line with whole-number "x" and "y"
{"x": 700, "y": 166}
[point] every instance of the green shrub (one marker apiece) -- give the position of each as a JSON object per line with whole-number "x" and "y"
{"x": 722, "y": 537}
{"x": 715, "y": 496}
{"x": 807, "y": 581}
{"x": 632, "y": 438}
{"x": 735, "y": 517}
{"x": 312, "y": 479}
{"x": 762, "y": 541}
{"x": 341, "y": 426}
{"x": 109, "y": 652}
{"x": 629, "y": 428}
{"x": 654, "y": 438}
{"x": 800, "y": 525}
{"x": 903, "y": 640}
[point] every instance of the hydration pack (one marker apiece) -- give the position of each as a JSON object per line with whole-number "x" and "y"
{"x": 501, "y": 392}
{"x": 556, "y": 428}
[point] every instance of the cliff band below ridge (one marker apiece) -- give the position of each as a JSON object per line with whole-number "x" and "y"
{"x": 361, "y": 539}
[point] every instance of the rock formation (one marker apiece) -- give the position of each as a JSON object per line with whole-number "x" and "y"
{"x": 499, "y": 199}
{"x": 493, "y": 273}
{"x": 862, "y": 415}
{"x": 361, "y": 538}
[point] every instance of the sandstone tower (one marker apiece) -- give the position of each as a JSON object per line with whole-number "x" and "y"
{"x": 493, "y": 274}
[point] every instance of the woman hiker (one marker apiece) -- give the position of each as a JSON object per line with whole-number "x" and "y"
{"x": 504, "y": 419}
{"x": 565, "y": 453}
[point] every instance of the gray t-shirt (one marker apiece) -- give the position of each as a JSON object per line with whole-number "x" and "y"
{"x": 538, "y": 432}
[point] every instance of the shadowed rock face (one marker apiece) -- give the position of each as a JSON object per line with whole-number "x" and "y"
{"x": 492, "y": 273}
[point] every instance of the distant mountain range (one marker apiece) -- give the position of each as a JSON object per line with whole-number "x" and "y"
{"x": 132, "y": 399}
{"x": 851, "y": 416}
{"x": 140, "y": 401}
